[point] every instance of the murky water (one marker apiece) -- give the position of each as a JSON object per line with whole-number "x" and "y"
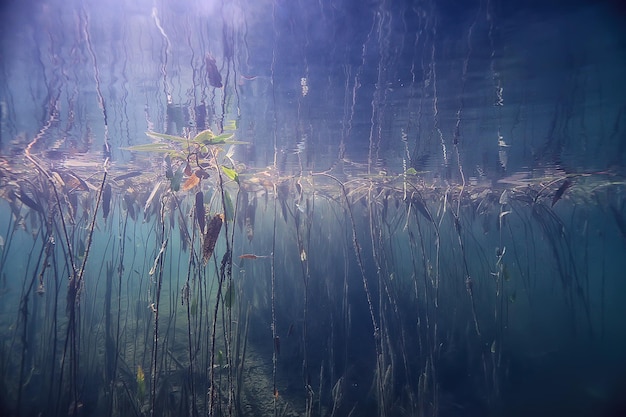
{"x": 312, "y": 208}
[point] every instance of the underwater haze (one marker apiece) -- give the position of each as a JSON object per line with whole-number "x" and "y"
{"x": 312, "y": 208}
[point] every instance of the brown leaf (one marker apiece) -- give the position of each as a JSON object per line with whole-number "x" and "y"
{"x": 188, "y": 170}
{"x": 191, "y": 182}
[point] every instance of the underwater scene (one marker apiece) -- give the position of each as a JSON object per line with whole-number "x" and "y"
{"x": 312, "y": 208}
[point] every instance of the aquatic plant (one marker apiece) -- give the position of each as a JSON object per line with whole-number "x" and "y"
{"x": 383, "y": 219}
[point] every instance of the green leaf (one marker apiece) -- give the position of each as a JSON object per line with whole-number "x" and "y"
{"x": 148, "y": 147}
{"x": 229, "y": 297}
{"x": 231, "y": 125}
{"x": 229, "y": 209}
{"x": 233, "y": 142}
{"x": 204, "y": 137}
{"x": 163, "y": 136}
{"x": 176, "y": 180}
{"x": 222, "y": 138}
{"x": 411, "y": 171}
{"x": 169, "y": 174}
{"x": 231, "y": 173}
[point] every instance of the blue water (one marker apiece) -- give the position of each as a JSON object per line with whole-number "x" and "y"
{"x": 422, "y": 208}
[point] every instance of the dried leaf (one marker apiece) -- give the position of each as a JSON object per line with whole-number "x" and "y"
{"x": 188, "y": 170}
{"x": 191, "y": 182}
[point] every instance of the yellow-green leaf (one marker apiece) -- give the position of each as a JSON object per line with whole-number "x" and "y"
{"x": 229, "y": 209}
{"x": 231, "y": 173}
{"x": 221, "y": 138}
{"x": 229, "y": 297}
{"x": 163, "y": 136}
{"x": 205, "y": 137}
{"x": 148, "y": 147}
{"x": 231, "y": 125}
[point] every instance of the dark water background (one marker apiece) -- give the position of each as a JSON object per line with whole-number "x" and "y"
{"x": 437, "y": 272}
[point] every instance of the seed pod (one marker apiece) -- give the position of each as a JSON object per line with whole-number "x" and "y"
{"x": 210, "y": 237}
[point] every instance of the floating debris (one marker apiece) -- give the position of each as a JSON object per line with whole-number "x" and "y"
{"x": 252, "y": 256}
